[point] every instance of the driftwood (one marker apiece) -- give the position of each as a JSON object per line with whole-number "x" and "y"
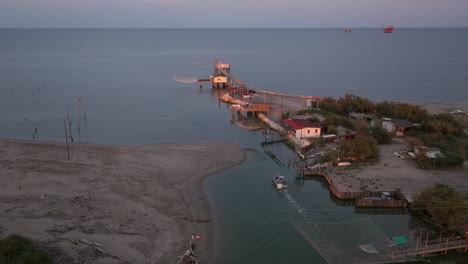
{"x": 95, "y": 245}
{"x": 195, "y": 220}
{"x": 189, "y": 256}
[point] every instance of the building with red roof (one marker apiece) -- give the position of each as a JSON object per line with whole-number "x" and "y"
{"x": 302, "y": 128}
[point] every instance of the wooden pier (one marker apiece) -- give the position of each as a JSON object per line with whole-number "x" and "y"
{"x": 429, "y": 246}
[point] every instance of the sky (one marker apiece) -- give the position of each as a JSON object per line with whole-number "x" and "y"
{"x": 231, "y": 14}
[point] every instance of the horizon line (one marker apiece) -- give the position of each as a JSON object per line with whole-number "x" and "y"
{"x": 363, "y": 27}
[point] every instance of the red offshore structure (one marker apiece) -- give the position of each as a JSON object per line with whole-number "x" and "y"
{"x": 388, "y": 29}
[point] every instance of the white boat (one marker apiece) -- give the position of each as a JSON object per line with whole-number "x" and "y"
{"x": 280, "y": 182}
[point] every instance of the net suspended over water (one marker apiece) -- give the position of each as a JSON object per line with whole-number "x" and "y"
{"x": 355, "y": 241}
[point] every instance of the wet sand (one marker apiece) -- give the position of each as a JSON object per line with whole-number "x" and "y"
{"x": 111, "y": 203}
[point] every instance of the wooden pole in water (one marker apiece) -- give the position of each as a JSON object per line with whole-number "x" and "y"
{"x": 446, "y": 246}
{"x": 69, "y": 126}
{"x": 77, "y": 114}
{"x": 425, "y": 246}
{"x": 66, "y": 138}
{"x": 417, "y": 242}
{"x": 440, "y": 240}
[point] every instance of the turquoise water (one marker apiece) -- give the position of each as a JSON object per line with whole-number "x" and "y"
{"x": 124, "y": 80}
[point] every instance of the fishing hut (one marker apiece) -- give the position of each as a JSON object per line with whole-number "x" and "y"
{"x": 222, "y": 78}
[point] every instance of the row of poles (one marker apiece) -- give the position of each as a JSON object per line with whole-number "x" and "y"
{"x": 68, "y": 123}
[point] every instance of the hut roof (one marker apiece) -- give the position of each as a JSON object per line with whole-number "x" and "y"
{"x": 301, "y": 123}
{"x": 403, "y": 123}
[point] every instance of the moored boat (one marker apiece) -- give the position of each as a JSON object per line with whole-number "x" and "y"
{"x": 280, "y": 182}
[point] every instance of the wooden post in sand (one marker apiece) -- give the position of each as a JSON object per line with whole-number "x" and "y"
{"x": 66, "y": 138}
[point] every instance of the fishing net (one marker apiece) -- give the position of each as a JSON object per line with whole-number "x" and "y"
{"x": 354, "y": 241}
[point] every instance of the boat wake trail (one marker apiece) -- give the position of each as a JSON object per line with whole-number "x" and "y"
{"x": 184, "y": 79}
{"x": 294, "y": 203}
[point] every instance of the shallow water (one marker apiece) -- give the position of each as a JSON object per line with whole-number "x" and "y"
{"x": 125, "y": 80}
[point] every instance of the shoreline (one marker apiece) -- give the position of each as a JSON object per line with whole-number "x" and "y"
{"x": 139, "y": 210}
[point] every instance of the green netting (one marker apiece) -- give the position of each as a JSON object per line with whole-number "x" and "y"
{"x": 400, "y": 240}
{"x": 355, "y": 241}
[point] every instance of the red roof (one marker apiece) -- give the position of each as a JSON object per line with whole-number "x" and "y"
{"x": 464, "y": 226}
{"x": 301, "y": 123}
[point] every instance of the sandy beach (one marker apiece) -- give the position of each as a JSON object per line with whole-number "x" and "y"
{"x": 111, "y": 203}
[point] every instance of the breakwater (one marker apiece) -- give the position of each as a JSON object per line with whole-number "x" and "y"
{"x": 289, "y": 94}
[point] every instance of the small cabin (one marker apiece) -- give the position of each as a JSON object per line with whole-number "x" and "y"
{"x": 399, "y": 126}
{"x": 220, "y": 79}
{"x": 431, "y": 152}
{"x": 301, "y": 128}
{"x": 359, "y": 116}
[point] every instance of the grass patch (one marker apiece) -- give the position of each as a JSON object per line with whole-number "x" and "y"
{"x": 15, "y": 249}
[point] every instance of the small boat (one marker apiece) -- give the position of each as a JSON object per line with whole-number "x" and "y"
{"x": 280, "y": 182}
{"x": 347, "y": 30}
{"x": 388, "y": 29}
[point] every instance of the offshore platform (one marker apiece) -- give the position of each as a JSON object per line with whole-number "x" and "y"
{"x": 222, "y": 78}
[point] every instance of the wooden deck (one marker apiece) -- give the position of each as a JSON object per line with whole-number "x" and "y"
{"x": 256, "y": 108}
{"x": 399, "y": 200}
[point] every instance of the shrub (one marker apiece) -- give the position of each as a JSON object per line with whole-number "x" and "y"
{"x": 362, "y": 148}
{"x": 15, "y": 249}
{"x": 401, "y": 111}
{"x": 445, "y": 124}
{"x": 380, "y": 134}
{"x": 332, "y": 130}
{"x": 442, "y": 204}
{"x": 313, "y": 119}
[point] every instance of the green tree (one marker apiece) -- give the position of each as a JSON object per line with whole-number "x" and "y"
{"x": 361, "y": 126}
{"x": 313, "y": 119}
{"x": 332, "y": 120}
{"x": 361, "y": 148}
{"x": 443, "y": 205}
{"x": 332, "y": 130}
{"x": 401, "y": 111}
{"x": 380, "y": 134}
{"x": 445, "y": 124}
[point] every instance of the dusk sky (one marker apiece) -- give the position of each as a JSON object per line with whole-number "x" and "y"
{"x": 228, "y": 14}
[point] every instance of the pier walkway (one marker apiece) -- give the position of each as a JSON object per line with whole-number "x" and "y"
{"x": 431, "y": 246}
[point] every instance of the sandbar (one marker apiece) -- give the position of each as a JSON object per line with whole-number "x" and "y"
{"x": 111, "y": 203}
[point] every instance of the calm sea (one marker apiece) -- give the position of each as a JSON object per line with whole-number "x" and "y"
{"x": 124, "y": 81}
